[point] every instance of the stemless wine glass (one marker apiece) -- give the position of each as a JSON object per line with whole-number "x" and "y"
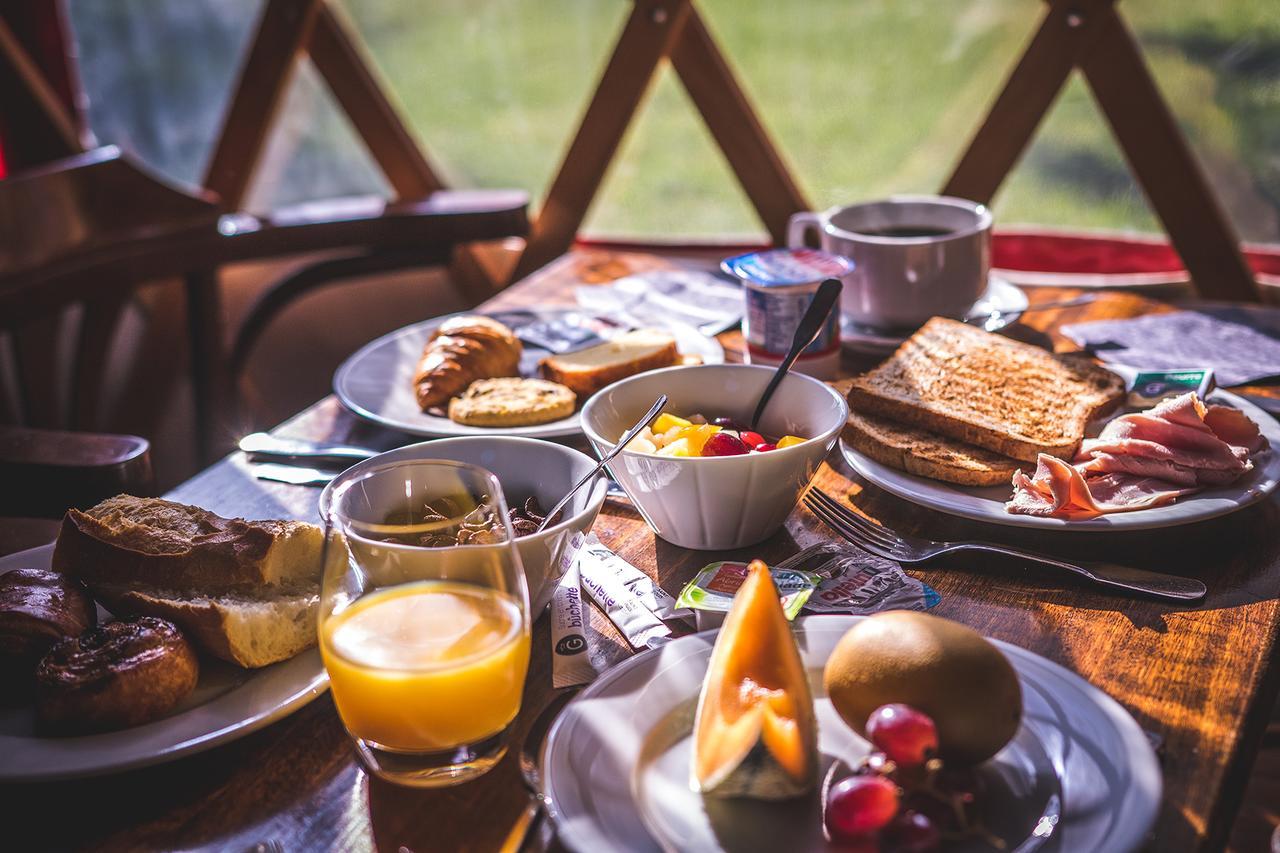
{"x": 424, "y": 619}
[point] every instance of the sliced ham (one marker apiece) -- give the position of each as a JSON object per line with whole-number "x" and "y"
{"x": 1061, "y": 490}
{"x": 1142, "y": 460}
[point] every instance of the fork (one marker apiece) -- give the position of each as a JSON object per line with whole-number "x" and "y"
{"x": 887, "y": 543}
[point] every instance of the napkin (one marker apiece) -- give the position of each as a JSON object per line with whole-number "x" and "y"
{"x": 1241, "y": 344}
{"x": 694, "y": 297}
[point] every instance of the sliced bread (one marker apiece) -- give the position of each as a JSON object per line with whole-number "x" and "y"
{"x": 169, "y": 545}
{"x": 926, "y": 454}
{"x": 244, "y": 630}
{"x": 1009, "y": 397}
{"x": 587, "y": 371}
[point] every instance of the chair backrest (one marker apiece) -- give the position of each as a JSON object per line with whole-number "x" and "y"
{"x": 77, "y": 237}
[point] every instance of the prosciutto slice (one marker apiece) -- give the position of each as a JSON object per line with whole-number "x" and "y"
{"x": 1142, "y": 460}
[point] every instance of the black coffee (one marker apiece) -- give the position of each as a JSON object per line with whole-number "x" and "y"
{"x": 906, "y": 231}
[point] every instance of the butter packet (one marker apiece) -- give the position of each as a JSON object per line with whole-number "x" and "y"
{"x": 1148, "y": 388}
{"x": 570, "y": 658}
{"x": 854, "y": 581}
{"x": 710, "y": 594}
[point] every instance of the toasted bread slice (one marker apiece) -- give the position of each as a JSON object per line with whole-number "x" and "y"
{"x": 587, "y": 371}
{"x": 927, "y": 454}
{"x": 244, "y": 630}
{"x": 169, "y": 545}
{"x": 1003, "y": 395}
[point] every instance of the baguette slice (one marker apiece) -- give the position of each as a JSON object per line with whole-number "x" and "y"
{"x": 167, "y": 545}
{"x": 244, "y": 630}
{"x": 927, "y": 454}
{"x": 587, "y": 371}
{"x": 1012, "y": 398}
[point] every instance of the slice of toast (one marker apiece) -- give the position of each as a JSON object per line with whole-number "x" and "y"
{"x": 927, "y": 454}
{"x": 169, "y": 545}
{"x": 587, "y": 371}
{"x": 983, "y": 389}
{"x": 244, "y": 630}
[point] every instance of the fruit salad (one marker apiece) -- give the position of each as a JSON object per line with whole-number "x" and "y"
{"x": 672, "y": 435}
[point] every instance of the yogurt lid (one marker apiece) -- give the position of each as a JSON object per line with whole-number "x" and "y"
{"x": 783, "y": 267}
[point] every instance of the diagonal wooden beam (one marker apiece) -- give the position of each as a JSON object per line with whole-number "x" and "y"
{"x": 1162, "y": 161}
{"x": 281, "y": 37}
{"x": 1029, "y": 91}
{"x": 725, "y": 107}
{"x": 647, "y": 37}
{"x": 337, "y": 54}
{"x": 30, "y": 82}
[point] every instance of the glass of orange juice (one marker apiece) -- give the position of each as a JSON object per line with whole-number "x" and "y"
{"x": 424, "y": 619}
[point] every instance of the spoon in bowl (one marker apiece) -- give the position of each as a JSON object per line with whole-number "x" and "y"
{"x": 810, "y": 324}
{"x": 604, "y": 460}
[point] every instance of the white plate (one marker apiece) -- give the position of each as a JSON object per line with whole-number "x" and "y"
{"x": 615, "y": 773}
{"x": 1002, "y": 303}
{"x": 987, "y": 503}
{"x": 228, "y": 703}
{"x": 377, "y": 381}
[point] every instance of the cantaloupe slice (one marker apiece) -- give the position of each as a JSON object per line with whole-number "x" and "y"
{"x": 755, "y": 734}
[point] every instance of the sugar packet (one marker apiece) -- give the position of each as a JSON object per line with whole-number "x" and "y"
{"x": 570, "y": 661}
{"x": 629, "y": 597}
{"x": 857, "y": 582}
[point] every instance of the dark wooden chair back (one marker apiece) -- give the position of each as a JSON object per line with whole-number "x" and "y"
{"x": 77, "y": 237}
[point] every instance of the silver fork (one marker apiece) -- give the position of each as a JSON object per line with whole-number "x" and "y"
{"x": 883, "y": 542}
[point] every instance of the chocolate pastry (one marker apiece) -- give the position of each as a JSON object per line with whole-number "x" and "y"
{"x": 116, "y": 675}
{"x": 37, "y": 609}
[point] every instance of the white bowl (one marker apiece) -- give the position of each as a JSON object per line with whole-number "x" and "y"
{"x": 719, "y": 502}
{"x": 524, "y": 467}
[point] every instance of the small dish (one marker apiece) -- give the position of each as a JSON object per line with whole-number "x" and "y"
{"x": 1001, "y": 305}
{"x": 525, "y": 467}
{"x": 1079, "y": 775}
{"x": 714, "y": 503}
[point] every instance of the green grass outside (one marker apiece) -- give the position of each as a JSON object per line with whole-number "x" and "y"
{"x": 864, "y": 98}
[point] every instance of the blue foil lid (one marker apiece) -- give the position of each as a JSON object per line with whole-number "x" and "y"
{"x": 783, "y": 267}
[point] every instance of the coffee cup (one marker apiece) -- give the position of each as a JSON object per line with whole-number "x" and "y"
{"x": 914, "y": 256}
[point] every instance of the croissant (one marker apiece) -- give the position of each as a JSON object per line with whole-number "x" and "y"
{"x": 37, "y": 609}
{"x": 462, "y": 350}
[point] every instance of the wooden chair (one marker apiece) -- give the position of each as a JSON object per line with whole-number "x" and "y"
{"x": 91, "y": 228}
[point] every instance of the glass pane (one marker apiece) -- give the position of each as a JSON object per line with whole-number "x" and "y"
{"x": 158, "y": 74}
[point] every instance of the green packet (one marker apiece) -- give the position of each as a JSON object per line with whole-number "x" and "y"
{"x": 712, "y": 589}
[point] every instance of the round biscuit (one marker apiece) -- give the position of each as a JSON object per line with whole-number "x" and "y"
{"x": 511, "y": 402}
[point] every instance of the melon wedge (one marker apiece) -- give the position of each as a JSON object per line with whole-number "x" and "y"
{"x": 755, "y": 734}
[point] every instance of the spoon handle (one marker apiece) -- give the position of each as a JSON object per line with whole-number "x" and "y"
{"x": 810, "y": 324}
{"x": 604, "y": 460}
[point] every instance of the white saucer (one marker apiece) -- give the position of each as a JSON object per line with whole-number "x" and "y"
{"x": 1002, "y": 304}
{"x": 1079, "y": 775}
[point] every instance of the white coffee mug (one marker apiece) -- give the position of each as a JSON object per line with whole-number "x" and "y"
{"x": 914, "y": 256}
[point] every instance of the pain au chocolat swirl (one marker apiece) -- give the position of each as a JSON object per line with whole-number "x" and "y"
{"x": 37, "y": 609}
{"x": 116, "y": 675}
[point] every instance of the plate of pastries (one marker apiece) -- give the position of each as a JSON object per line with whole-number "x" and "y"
{"x": 149, "y": 630}
{"x": 522, "y": 373}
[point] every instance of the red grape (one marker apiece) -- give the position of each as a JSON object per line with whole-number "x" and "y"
{"x": 724, "y": 444}
{"x": 763, "y": 448}
{"x": 728, "y": 423}
{"x": 912, "y": 832}
{"x": 858, "y": 805}
{"x": 751, "y": 439}
{"x": 904, "y": 734}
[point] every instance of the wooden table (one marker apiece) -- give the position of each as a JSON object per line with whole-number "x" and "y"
{"x": 1203, "y": 679}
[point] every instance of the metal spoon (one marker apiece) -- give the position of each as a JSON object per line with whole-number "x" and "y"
{"x": 617, "y": 448}
{"x": 810, "y": 324}
{"x": 530, "y": 753}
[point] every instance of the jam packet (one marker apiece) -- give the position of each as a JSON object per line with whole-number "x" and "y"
{"x": 710, "y": 593}
{"x": 854, "y": 581}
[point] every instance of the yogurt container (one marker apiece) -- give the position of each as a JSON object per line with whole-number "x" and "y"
{"x": 778, "y": 285}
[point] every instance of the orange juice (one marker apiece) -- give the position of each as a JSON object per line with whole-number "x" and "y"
{"x": 427, "y": 666}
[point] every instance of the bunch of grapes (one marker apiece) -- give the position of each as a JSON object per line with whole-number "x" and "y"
{"x": 900, "y": 799}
